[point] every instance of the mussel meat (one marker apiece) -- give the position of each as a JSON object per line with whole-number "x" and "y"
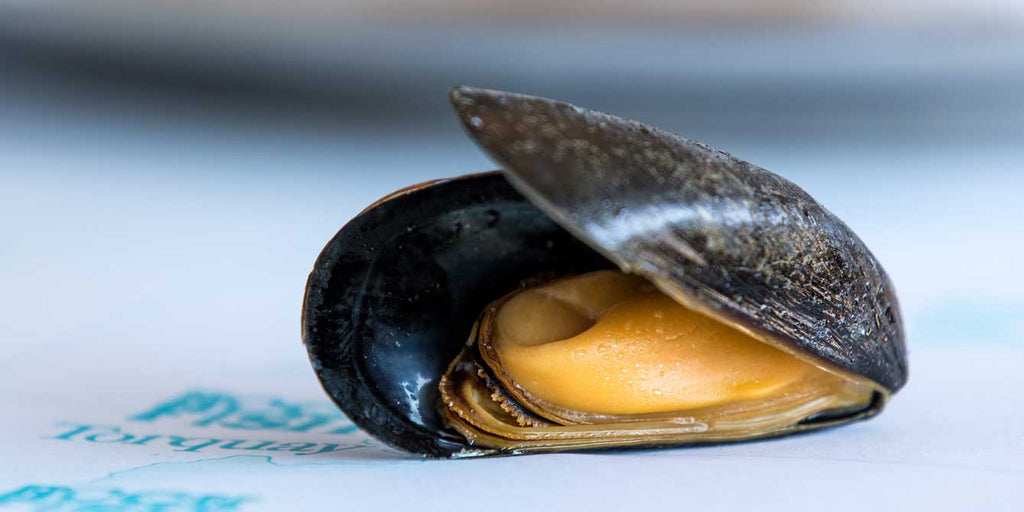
{"x": 612, "y": 286}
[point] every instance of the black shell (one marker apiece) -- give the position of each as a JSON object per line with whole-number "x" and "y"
{"x": 393, "y": 296}
{"x": 717, "y": 233}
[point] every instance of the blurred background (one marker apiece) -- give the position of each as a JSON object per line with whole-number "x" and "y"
{"x": 169, "y": 170}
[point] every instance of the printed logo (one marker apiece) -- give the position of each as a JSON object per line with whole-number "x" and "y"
{"x": 218, "y": 410}
{"x": 45, "y": 498}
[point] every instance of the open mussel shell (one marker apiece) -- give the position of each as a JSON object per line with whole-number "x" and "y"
{"x": 394, "y": 295}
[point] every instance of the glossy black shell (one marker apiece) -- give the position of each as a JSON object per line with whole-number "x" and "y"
{"x": 394, "y": 295}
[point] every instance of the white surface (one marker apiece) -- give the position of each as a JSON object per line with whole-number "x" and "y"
{"x": 137, "y": 267}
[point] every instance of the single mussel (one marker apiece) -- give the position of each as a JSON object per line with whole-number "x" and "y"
{"x": 614, "y": 285}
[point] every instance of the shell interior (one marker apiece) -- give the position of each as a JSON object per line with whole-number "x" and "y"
{"x": 607, "y": 360}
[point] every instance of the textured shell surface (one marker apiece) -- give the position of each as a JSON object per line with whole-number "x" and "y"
{"x": 717, "y": 233}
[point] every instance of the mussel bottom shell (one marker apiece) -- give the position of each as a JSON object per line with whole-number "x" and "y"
{"x": 394, "y": 296}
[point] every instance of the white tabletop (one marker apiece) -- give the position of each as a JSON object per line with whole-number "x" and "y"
{"x": 152, "y": 270}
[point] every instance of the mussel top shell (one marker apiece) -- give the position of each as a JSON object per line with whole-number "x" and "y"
{"x": 720, "y": 235}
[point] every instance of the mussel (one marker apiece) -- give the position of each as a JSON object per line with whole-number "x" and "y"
{"x": 613, "y": 285}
